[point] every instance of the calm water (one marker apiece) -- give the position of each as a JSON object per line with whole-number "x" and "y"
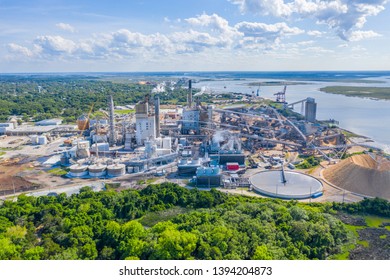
{"x": 361, "y": 115}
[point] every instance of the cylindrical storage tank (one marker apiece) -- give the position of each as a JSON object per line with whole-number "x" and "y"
{"x": 78, "y": 170}
{"x": 97, "y": 170}
{"x": 83, "y": 122}
{"x": 42, "y": 140}
{"x": 116, "y": 170}
{"x": 167, "y": 143}
{"x": 34, "y": 139}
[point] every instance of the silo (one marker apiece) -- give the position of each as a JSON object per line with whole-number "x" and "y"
{"x": 78, "y": 170}
{"x": 34, "y": 139}
{"x": 42, "y": 140}
{"x": 116, "y": 170}
{"x": 97, "y": 170}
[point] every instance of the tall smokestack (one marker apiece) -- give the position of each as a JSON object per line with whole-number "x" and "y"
{"x": 189, "y": 96}
{"x": 112, "y": 121}
{"x": 157, "y": 113}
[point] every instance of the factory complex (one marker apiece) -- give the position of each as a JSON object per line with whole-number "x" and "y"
{"x": 254, "y": 145}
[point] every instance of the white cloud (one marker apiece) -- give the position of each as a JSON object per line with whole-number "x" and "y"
{"x": 267, "y": 31}
{"x": 207, "y": 33}
{"x": 66, "y": 27}
{"x": 359, "y": 35}
{"x": 55, "y": 44}
{"x": 265, "y": 7}
{"x": 315, "y": 33}
{"x": 343, "y": 16}
{"x": 19, "y": 50}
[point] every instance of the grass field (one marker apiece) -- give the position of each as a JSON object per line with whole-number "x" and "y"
{"x": 124, "y": 112}
{"x": 368, "y": 92}
{"x": 58, "y": 171}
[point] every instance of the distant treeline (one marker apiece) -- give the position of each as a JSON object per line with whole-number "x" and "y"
{"x": 69, "y": 97}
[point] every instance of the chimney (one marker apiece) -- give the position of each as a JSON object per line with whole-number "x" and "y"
{"x": 157, "y": 114}
{"x": 112, "y": 121}
{"x": 189, "y": 96}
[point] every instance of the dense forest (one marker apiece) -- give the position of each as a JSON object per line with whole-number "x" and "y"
{"x": 170, "y": 222}
{"x": 68, "y": 97}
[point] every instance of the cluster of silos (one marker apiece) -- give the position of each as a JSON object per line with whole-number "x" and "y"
{"x": 78, "y": 170}
{"x": 38, "y": 139}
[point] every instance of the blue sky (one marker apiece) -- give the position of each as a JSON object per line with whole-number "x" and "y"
{"x": 197, "y": 35}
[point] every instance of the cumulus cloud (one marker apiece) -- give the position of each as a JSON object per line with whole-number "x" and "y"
{"x": 55, "y": 44}
{"x": 206, "y": 32}
{"x": 315, "y": 33}
{"x": 359, "y": 35}
{"x": 66, "y": 27}
{"x": 265, "y": 7}
{"x": 19, "y": 50}
{"x": 267, "y": 31}
{"x": 343, "y": 16}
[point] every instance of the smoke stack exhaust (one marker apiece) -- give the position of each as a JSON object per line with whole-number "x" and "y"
{"x": 189, "y": 96}
{"x": 157, "y": 114}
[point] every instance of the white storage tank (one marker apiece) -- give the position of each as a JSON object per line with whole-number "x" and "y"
{"x": 34, "y": 139}
{"x": 116, "y": 170}
{"x": 97, "y": 170}
{"x": 78, "y": 170}
{"x": 42, "y": 140}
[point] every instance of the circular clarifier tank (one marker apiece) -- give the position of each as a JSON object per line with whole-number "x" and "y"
{"x": 286, "y": 184}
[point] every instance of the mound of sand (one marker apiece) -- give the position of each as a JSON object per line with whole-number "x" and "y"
{"x": 363, "y": 174}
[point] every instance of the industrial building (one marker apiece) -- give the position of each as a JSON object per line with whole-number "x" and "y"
{"x": 310, "y": 110}
{"x": 145, "y": 123}
{"x": 208, "y": 177}
{"x": 49, "y": 122}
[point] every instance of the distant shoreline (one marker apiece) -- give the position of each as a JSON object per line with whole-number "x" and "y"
{"x": 376, "y": 93}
